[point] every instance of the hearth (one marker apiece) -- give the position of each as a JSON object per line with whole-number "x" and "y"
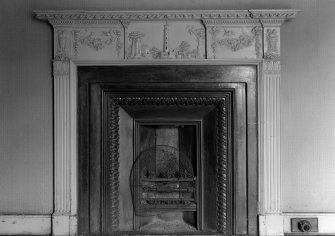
{"x": 163, "y": 149}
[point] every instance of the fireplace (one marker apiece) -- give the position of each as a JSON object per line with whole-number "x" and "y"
{"x": 164, "y": 149}
{"x": 216, "y": 72}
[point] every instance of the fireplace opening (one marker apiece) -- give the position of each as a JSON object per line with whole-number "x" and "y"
{"x": 164, "y": 178}
{"x": 168, "y": 175}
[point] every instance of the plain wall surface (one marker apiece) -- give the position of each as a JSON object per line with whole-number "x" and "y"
{"x": 307, "y": 99}
{"x": 308, "y": 109}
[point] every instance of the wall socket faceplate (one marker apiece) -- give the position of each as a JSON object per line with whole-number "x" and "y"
{"x": 304, "y": 225}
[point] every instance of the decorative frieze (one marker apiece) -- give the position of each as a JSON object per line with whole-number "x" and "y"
{"x": 164, "y": 37}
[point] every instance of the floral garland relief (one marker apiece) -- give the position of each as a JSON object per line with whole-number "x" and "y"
{"x": 97, "y": 42}
{"x": 230, "y": 41}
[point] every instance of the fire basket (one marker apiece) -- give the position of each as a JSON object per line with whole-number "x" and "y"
{"x": 162, "y": 180}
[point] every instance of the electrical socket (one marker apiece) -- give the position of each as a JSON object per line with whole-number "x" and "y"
{"x": 304, "y": 225}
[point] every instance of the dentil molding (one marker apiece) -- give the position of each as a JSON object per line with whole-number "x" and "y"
{"x": 103, "y": 16}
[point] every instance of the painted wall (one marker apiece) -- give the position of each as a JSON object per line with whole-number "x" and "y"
{"x": 307, "y": 108}
{"x": 308, "y": 111}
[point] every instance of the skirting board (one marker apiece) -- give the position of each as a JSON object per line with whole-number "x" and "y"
{"x": 280, "y": 224}
{"x": 25, "y": 224}
{"x": 270, "y": 225}
{"x": 41, "y": 224}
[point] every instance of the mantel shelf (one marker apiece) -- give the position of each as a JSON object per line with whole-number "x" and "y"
{"x": 166, "y": 15}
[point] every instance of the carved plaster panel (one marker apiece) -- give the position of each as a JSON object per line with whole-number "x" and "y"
{"x": 234, "y": 42}
{"x": 145, "y": 40}
{"x": 187, "y": 40}
{"x": 272, "y": 43}
{"x": 166, "y": 40}
{"x": 104, "y": 43}
{"x": 62, "y": 44}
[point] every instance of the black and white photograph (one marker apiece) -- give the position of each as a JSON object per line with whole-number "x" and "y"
{"x": 167, "y": 117}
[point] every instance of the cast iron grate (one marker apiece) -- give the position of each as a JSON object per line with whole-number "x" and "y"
{"x": 162, "y": 179}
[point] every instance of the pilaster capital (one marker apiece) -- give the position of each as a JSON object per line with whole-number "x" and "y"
{"x": 61, "y": 68}
{"x": 271, "y": 67}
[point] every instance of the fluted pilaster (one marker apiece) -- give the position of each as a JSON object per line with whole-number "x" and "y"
{"x": 271, "y": 221}
{"x": 270, "y": 134}
{"x": 62, "y": 162}
{"x": 270, "y": 119}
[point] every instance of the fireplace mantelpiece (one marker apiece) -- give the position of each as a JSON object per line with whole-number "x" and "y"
{"x": 236, "y": 37}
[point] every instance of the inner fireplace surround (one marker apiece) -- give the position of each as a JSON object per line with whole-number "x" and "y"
{"x": 218, "y": 101}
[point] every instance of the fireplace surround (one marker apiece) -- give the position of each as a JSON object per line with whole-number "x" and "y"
{"x": 211, "y": 53}
{"x": 208, "y": 113}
